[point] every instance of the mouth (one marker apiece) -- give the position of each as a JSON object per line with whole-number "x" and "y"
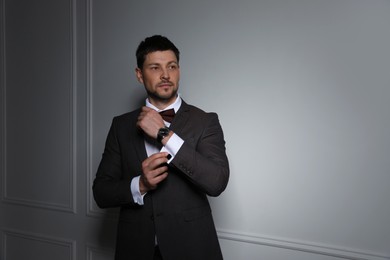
{"x": 165, "y": 85}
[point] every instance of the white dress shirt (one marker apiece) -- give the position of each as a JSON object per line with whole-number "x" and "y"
{"x": 172, "y": 147}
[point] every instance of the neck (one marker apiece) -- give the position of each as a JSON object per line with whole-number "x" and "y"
{"x": 161, "y": 103}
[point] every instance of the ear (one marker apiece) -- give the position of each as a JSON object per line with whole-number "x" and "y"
{"x": 138, "y": 74}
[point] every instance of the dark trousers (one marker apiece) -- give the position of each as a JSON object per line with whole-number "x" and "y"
{"x": 157, "y": 253}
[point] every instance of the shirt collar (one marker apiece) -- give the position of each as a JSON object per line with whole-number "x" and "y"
{"x": 175, "y": 105}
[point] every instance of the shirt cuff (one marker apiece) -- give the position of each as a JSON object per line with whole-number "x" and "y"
{"x": 134, "y": 187}
{"x": 173, "y": 146}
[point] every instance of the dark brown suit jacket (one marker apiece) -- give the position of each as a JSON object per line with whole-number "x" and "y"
{"x": 177, "y": 212}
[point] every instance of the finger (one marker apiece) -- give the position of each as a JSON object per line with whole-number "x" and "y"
{"x": 152, "y": 183}
{"x": 158, "y": 179}
{"x": 150, "y": 175}
{"x": 154, "y": 177}
{"x": 154, "y": 162}
{"x": 144, "y": 112}
{"x": 159, "y": 155}
{"x": 155, "y": 156}
{"x": 151, "y": 112}
{"x": 160, "y": 170}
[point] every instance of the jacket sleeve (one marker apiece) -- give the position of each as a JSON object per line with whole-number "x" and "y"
{"x": 203, "y": 158}
{"x": 110, "y": 188}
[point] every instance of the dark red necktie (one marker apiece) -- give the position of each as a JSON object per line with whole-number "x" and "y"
{"x": 168, "y": 115}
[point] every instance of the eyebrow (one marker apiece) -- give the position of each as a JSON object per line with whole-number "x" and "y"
{"x": 159, "y": 64}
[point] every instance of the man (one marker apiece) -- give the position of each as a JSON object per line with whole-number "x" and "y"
{"x": 159, "y": 172}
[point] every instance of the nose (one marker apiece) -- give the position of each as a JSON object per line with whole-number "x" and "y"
{"x": 164, "y": 74}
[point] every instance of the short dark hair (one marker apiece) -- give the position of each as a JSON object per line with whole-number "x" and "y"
{"x": 152, "y": 44}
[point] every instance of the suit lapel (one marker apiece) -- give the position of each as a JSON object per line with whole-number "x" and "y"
{"x": 181, "y": 118}
{"x": 139, "y": 144}
{"x": 137, "y": 139}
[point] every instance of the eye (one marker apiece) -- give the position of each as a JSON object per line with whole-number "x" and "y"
{"x": 172, "y": 67}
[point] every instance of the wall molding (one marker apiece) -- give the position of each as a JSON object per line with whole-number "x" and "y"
{"x": 92, "y": 211}
{"x": 301, "y": 246}
{"x": 2, "y": 96}
{"x": 92, "y": 251}
{"x": 71, "y": 206}
{"x": 56, "y": 241}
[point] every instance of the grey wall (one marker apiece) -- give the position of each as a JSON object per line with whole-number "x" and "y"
{"x": 302, "y": 90}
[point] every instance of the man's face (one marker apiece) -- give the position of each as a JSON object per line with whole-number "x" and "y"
{"x": 160, "y": 75}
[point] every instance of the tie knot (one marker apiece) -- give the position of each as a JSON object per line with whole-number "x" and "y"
{"x": 168, "y": 115}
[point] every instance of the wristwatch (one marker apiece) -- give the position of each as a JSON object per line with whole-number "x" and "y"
{"x": 162, "y": 133}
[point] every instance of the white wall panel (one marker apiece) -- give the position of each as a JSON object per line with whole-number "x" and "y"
{"x": 99, "y": 106}
{"x": 95, "y": 253}
{"x": 22, "y": 245}
{"x": 252, "y": 247}
{"x": 39, "y": 104}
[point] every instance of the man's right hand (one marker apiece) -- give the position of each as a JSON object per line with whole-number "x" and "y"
{"x": 154, "y": 171}
{"x": 150, "y": 121}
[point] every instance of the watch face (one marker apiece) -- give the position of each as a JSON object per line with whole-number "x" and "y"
{"x": 162, "y": 132}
